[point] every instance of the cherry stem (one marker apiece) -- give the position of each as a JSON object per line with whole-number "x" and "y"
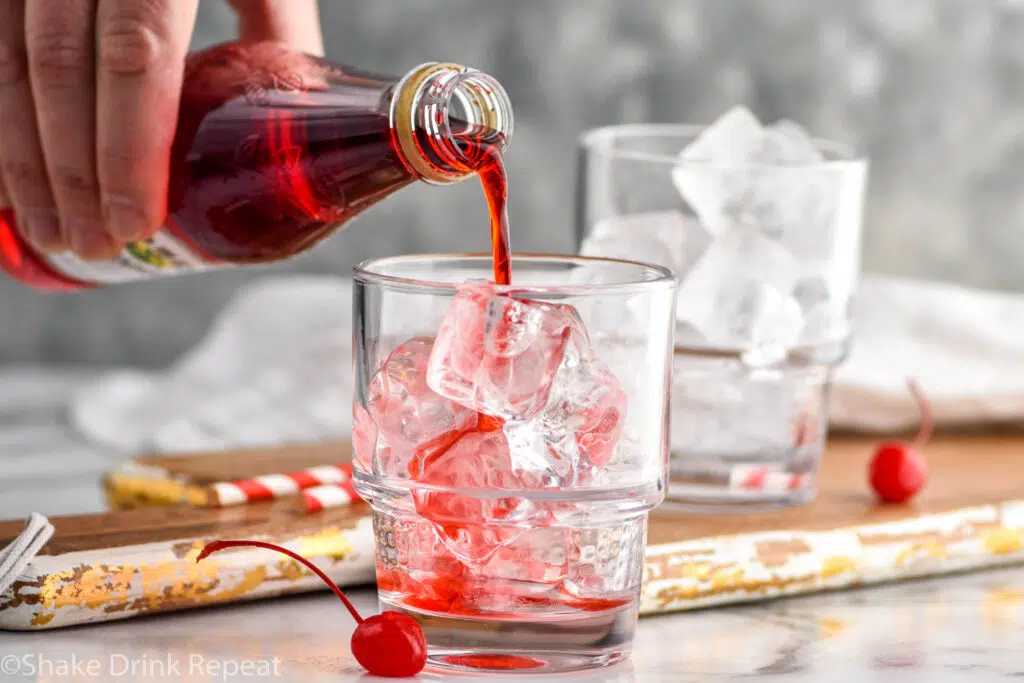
{"x": 215, "y": 546}
{"x": 924, "y": 407}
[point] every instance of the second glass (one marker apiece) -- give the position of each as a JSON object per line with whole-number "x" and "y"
{"x": 511, "y": 440}
{"x": 768, "y": 254}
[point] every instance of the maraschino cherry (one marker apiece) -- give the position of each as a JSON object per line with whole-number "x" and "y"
{"x": 897, "y": 469}
{"x": 388, "y": 644}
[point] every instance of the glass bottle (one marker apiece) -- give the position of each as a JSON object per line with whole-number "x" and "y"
{"x": 275, "y": 150}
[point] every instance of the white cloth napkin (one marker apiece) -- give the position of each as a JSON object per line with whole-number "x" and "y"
{"x": 964, "y": 346}
{"x": 276, "y": 368}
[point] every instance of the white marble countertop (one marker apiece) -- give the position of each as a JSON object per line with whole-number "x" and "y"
{"x": 963, "y": 628}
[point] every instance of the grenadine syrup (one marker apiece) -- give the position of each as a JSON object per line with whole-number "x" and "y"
{"x": 495, "y": 184}
{"x": 489, "y": 166}
{"x": 275, "y": 150}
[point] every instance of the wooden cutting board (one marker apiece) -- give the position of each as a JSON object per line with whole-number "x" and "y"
{"x": 138, "y": 560}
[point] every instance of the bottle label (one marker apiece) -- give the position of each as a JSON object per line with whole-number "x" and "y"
{"x": 163, "y": 254}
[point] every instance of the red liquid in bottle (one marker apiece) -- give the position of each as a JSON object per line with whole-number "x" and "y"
{"x": 274, "y": 150}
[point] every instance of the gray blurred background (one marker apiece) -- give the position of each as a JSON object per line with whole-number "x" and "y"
{"x": 933, "y": 90}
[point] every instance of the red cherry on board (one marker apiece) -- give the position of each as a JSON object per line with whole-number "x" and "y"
{"x": 897, "y": 469}
{"x": 388, "y": 644}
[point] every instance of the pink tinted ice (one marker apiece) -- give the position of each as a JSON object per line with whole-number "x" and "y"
{"x": 584, "y": 416}
{"x": 498, "y": 355}
{"x": 537, "y": 555}
{"x": 471, "y": 525}
{"x": 601, "y": 415}
{"x": 407, "y": 414}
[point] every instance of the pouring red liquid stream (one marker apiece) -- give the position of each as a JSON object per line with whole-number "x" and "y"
{"x": 495, "y": 184}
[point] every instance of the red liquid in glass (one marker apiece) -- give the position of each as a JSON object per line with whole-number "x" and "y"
{"x": 273, "y": 152}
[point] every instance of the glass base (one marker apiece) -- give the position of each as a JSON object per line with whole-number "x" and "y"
{"x": 718, "y": 483}
{"x": 690, "y": 497}
{"x": 525, "y": 645}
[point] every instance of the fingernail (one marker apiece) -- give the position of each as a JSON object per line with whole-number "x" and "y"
{"x": 42, "y": 228}
{"x": 125, "y": 220}
{"x": 93, "y": 244}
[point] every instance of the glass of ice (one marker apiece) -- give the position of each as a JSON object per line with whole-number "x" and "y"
{"x": 762, "y": 226}
{"x": 511, "y": 440}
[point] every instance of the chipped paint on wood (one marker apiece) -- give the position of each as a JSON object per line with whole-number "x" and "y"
{"x": 750, "y": 567}
{"x": 81, "y": 587}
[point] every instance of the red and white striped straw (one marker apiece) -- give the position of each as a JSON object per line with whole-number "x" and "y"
{"x": 277, "y": 485}
{"x": 330, "y": 496}
{"x": 765, "y": 480}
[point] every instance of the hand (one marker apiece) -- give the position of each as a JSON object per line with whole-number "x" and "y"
{"x": 89, "y": 94}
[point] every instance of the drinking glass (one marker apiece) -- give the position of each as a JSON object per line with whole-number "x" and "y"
{"x": 514, "y": 536}
{"x": 768, "y": 256}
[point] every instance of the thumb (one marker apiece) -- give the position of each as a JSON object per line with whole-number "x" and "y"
{"x": 294, "y": 23}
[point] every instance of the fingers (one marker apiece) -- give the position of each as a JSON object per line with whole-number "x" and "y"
{"x": 60, "y": 38}
{"x": 21, "y": 156}
{"x": 295, "y": 23}
{"x": 141, "y": 47}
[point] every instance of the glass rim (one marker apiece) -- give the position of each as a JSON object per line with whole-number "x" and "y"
{"x": 660, "y": 276}
{"x": 847, "y": 156}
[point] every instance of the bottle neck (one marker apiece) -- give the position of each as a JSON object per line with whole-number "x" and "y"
{"x": 446, "y": 119}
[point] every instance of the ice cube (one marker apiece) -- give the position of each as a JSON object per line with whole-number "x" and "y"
{"x": 733, "y": 138}
{"x": 810, "y": 292}
{"x": 739, "y": 293}
{"x": 775, "y": 328}
{"x": 575, "y": 435}
{"x": 458, "y": 348}
{"x": 599, "y": 413}
{"x": 537, "y": 556}
{"x": 533, "y": 460}
{"x": 665, "y": 238}
{"x": 825, "y": 318}
{"x": 498, "y": 354}
{"x": 626, "y": 466}
{"x": 583, "y": 419}
{"x": 738, "y": 173}
{"x": 787, "y": 142}
{"x": 824, "y": 322}
{"x": 473, "y": 520}
{"x": 408, "y": 414}
{"x": 640, "y": 248}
